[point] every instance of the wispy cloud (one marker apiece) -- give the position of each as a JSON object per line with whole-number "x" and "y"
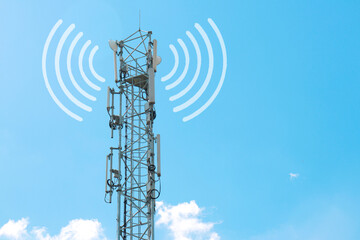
{"x": 184, "y": 222}
{"x": 294, "y": 175}
{"x": 78, "y": 229}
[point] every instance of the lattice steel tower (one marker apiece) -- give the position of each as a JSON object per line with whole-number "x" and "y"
{"x": 130, "y": 166}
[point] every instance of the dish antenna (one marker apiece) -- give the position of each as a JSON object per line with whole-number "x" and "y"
{"x": 113, "y": 45}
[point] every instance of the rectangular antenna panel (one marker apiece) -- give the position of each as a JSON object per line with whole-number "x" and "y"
{"x": 151, "y": 89}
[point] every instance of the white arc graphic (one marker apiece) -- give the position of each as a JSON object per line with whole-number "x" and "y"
{"x": 183, "y": 74}
{"x": 81, "y": 57}
{"x": 91, "y": 57}
{"x": 57, "y": 70}
{"x": 56, "y": 100}
{"x": 222, "y": 78}
{"x": 59, "y": 77}
{"x": 172, "y": 72}
{"x": 197, "y": 72}
{"x": 209, "y": 73}
{"x": 76, "y": 85}
{"x": 195, "y": 78}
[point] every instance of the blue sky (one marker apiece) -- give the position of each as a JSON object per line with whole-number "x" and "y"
{"x": 289, "y": 104}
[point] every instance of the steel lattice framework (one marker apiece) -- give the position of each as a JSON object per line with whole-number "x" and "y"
{"x": 130, "y": 167}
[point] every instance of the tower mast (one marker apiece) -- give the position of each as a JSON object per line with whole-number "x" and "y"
{"x": 131, "y": 107}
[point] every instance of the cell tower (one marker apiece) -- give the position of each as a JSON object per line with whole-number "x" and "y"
{"x": 130, "y": 167}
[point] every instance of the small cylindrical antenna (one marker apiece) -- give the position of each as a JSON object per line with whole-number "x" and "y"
{"x": 158, "y": 155}
{"x": 115, "y": 67}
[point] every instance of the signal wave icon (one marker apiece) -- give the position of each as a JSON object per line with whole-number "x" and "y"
{"x": 183, "y": 74}
{"x": 59, "y": 48}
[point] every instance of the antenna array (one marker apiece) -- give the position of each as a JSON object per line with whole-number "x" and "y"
{"x": 130, "y": 167}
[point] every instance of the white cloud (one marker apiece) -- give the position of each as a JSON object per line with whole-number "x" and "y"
{"x": 184, "y": 222}
{"x": 15, "y": 230}
{"x": 78, "y": 229}
{"x": 294, "y": 175}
